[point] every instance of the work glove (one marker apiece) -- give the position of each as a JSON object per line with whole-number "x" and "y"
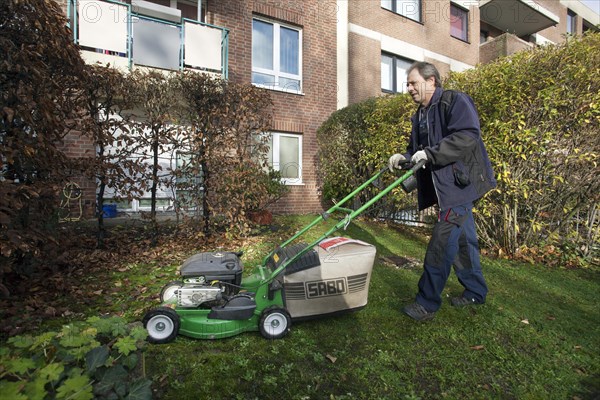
{"x": 418, "y": 156}
{"x": 395, "y": 161}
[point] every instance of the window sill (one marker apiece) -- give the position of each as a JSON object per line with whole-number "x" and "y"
{"x": 404, "y": 16}
{"x": 276, "y": 89}
{"x": 292, "y": 183}
{"x": 459, "y": 39}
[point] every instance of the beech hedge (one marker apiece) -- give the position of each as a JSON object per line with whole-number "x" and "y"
{"x": 540, "y": 120}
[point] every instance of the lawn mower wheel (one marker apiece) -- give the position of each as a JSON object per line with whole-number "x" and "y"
{"x": 162, "y": 324}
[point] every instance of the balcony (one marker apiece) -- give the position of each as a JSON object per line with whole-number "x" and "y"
{"x": 144, "y": 34}
{"x": 519, "y": 17}
{"x": 502, "y": 46}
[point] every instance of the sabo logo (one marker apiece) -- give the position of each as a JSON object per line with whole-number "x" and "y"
{"x": 324, "y": 288}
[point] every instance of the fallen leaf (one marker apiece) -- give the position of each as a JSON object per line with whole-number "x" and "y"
{"x": 577, "y": 347}
{"x": 550, "y": 317}
{"x": 331, "y": 358}
{"x": 478, "y": 347}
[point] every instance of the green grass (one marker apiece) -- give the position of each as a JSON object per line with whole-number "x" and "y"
{"x": 537, "y": 336}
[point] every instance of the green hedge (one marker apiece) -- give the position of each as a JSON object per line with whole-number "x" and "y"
{"x": 540, "y": 117}
{"x": 357, "y": 141}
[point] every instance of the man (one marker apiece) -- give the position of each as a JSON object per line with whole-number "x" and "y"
{"x": 445, "y": 133}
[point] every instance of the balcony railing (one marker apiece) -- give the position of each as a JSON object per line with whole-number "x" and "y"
{"x": 121, "y": 34}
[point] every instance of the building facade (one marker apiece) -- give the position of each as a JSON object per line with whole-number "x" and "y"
{"x": 313, "y": 56}
{"x": 379, "y": 40}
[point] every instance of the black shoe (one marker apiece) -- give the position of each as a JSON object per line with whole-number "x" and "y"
{"x": 463, "y": 301}
{"x": 418, "y": 312}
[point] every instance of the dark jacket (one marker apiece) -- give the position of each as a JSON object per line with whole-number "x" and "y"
{"x": 455, "y": 147}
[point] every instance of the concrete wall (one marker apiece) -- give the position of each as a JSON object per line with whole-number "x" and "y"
{"x": 503, "y": 45}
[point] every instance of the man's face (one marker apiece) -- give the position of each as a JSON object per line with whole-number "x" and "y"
{"x": 420, "y": 89}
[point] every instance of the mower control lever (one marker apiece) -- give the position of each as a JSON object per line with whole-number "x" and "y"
{"x": 406, "y": 164}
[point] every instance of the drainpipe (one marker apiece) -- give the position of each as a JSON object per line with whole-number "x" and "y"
{"x": 342, "y": 54}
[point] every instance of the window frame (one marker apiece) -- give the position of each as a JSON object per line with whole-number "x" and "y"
{"x": 571, "y": 22}
{"x": 394, "y": 9}
{"x": 395, "y": 59}
{"x": 275, "y": 156}
{"x": 276, "y": 71}
{"x": 465, "y": 15}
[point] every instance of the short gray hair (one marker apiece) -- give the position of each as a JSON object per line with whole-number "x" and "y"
{"x": 426, "y": 70}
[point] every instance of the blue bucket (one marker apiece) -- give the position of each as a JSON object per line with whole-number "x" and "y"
{"x": 109, "y": 210}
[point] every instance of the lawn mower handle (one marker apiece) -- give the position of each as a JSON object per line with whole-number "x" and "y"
{"x": 344, "y": 222}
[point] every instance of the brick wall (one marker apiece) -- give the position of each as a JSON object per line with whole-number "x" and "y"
{"x": 431, "y": 35}
{"x": 294, "y": 113}
{"x": 76, "y": 145}
{"x": 364, "y": 68}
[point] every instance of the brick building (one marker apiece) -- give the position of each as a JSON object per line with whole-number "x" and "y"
{"x": 314, "y": 56}
{"x": 378, "y": 40}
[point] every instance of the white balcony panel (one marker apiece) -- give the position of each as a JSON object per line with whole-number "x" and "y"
{"x": 103, "y": 25}
{"x": 156, "y": 44}
{"x": 202, "y": 46}
{"x": 93, "y": 57}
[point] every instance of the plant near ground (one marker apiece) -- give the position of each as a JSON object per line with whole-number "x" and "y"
{"x": 99, "y": 358}
{"x": 154, "y": 131}
{"x": 540, "y": 118}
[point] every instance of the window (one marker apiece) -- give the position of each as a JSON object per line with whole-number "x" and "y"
{"x": 571, "y": 22}
{"x": 188, "y": 181}
{"x": 162, "y": 203}
{"x": 285, "y": 156}
{"x": 408, "y": 8}
{"x": 459, "y": 26}
{"x": 393, "y": 73}
{"x": 276, "y": 56}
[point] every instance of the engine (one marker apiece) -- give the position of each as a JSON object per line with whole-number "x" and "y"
{"x": 209, "y": 278}
{"x": 195, "y": 296}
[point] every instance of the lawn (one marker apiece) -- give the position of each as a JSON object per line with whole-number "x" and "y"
{"x": 537, "y": 336}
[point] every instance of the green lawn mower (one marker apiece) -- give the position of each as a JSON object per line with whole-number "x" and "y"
{"x": 296, "y": 281}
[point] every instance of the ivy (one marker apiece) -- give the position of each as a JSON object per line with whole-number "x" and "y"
{"x": 97, "y": 358}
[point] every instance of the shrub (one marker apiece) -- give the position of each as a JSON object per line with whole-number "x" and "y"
{"x": 540, "y": 118}
{"x": 41, "y": 76}
{"x": 357, "y": 141}
{"x": 226, "y": 125}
